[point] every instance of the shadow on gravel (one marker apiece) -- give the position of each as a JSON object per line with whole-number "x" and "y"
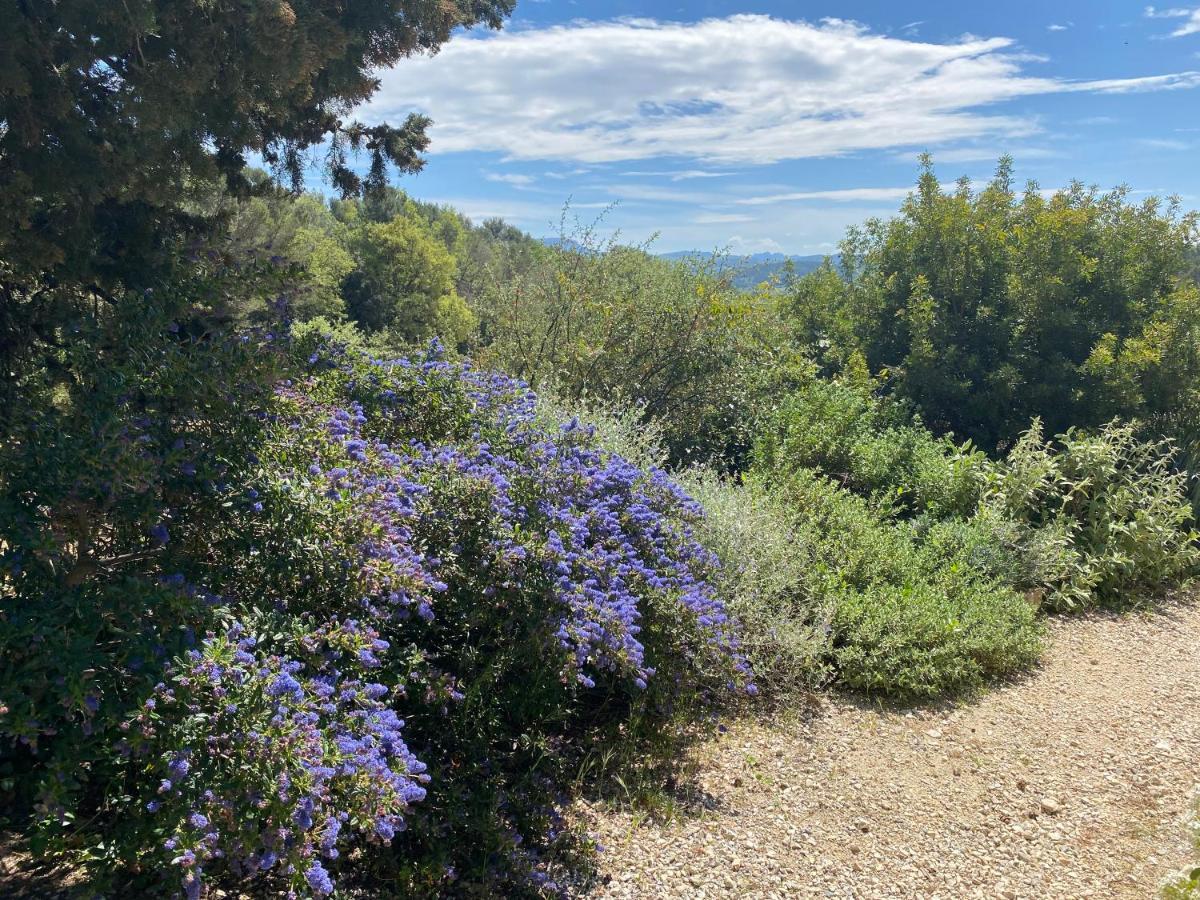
{"x": 22, "y": 878}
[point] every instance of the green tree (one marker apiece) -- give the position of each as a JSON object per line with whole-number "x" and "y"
{"x": 595, "y": 319}
{"x": 989, "y": 308}
{"x": 403, "y": 282}
{"x": 300, "y": 231}
{"x": 114, "y": 112}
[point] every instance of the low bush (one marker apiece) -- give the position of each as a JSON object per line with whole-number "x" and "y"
{"x": 829, "y": 585}
{"x": 870, "y": 445}
{"x": 998, "y": 547}
{"x": 1115, "y": 508}
{"x": 910, "y": 620}
{"x": 368, "y": 628}
{"x": 767, "y": 580}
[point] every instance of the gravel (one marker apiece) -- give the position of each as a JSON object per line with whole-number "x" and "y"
{"x": 1076, "y": 781}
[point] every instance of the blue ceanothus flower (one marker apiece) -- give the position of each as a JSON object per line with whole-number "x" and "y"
{"x": 287, "y": 748}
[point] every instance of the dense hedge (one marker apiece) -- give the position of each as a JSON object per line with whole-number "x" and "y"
{"x": 369, "y": 628}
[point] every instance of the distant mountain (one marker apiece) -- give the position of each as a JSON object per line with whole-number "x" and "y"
{"x": 751, "y": 271}
{"x": 748, "y": 271}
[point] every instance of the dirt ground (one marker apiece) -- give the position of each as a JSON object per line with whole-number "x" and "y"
{"x": 1077, "y": 781}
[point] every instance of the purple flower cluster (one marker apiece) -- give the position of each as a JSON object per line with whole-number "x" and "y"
{"x": 430, "y": 490}
{"x": 296, "y": 755}
{"x": 606, "y": 534}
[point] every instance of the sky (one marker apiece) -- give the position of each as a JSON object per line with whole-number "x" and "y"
{"x": 749, "y": 127}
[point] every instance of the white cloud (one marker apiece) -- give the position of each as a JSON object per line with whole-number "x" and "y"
{"x": 1191, "y": 26}
{"x": 848, "y": 195}
{"x": 1163, "y": 144}
{"x": 721, "y": 218}
{"x": 744, "y": 245}
{"x": 594, "y": 92}
{"x": 683, "y": 175}
{"x": 514, "y": 180}
{"x": 656, "y": 194}
{"x": 983, "y": 154}
{"x": 1058, "y": 27}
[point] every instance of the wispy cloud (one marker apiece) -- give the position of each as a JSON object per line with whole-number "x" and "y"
{"x": 983, "y": 154}
{"x": 1164, "y": 144}
{"x": 1191, "y": 26}
{"x": 594, "y": 92}
{"x": 1059, "y": 27}
{"x": 657, "y": 194}
{"x": 848, "y": 195}
{"x": 514, "y": 180}
{"x": 684, "y": 175}
{"x": 721, "y": 218}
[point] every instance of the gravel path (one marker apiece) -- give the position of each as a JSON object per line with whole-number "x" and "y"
{"x": 1075, "y": 782}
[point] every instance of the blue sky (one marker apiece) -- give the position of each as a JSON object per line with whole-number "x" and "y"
{"x": 773, "y": 126}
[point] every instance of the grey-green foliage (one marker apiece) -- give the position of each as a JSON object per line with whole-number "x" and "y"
{"x": 766, "y": 581}
{"x": 1117, "y": 513}
{"x": 620, "y": 428}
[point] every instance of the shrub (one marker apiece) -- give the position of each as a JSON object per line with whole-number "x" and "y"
{"x": 991, "y": 307}
{"x": 999, "y": 547}
{"x": 926, "y": 638}
{"x": 377, "y": 625}
{"x": 595, "y": 319}
{"x": 763, "y": 578}
{"x": 108, "y": 467}
{"x": 1114, "y": 505}
{"x": 909, "y": 621}
{"x": 872, "y": 446}
{"x": 617, "y": 427}
{"x": 766, "y": 580}
{"x": 827, "y": 584}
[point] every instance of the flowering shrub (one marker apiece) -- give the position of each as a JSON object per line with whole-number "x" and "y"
{"x": 266, "y": 762}
{"x": 412, "y": 612}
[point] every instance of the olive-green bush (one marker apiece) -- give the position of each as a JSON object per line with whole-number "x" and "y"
{"x": 1116, "y": 507}
{"x": 910, "y": 620}
{"x": 871, "y": 445}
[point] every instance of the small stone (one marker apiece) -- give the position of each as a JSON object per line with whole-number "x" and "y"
{"x": 1050, "y": 806}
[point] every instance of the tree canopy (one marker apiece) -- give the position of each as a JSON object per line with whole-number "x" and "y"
{"x": 112, "y": 114}
{"x": 989, "y": 308}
